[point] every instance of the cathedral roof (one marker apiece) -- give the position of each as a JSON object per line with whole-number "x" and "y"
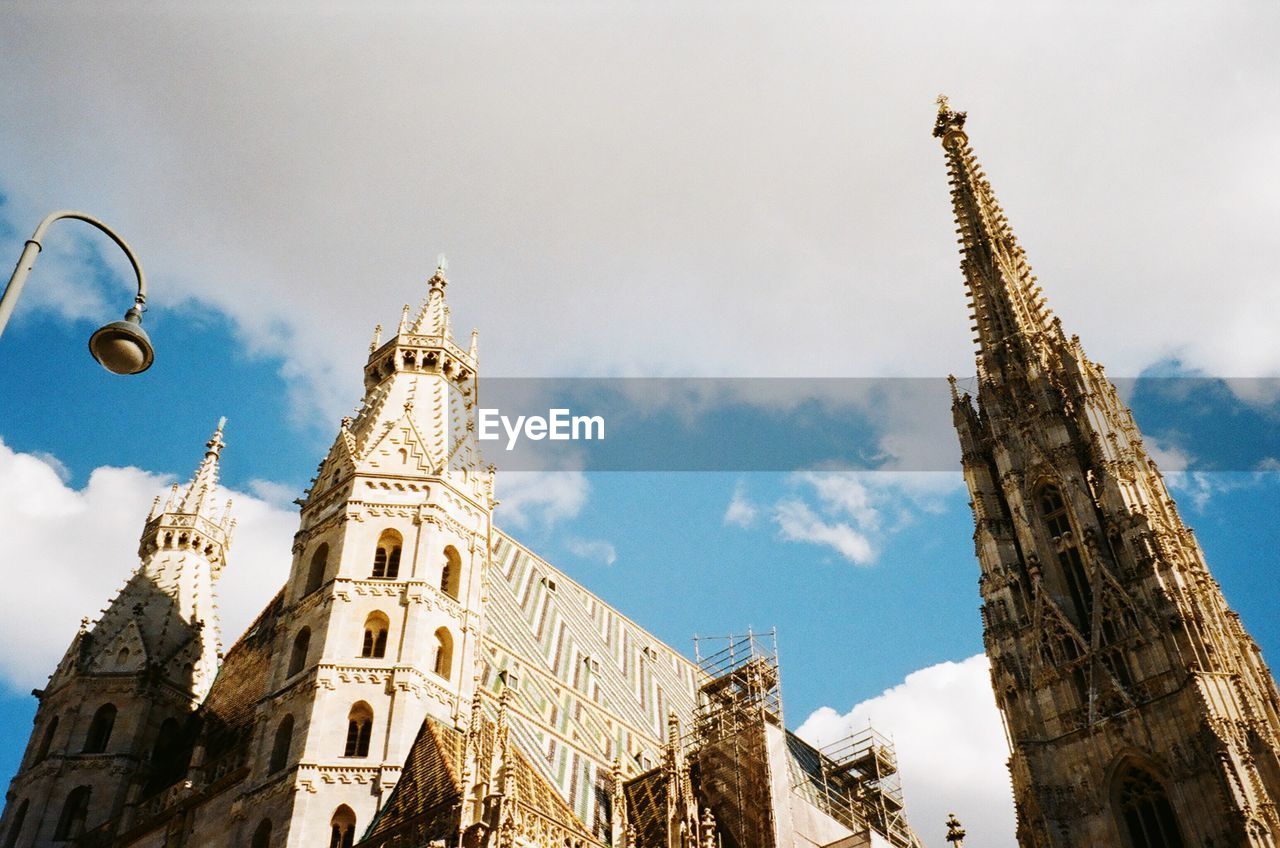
{"x": 228, "y": 712}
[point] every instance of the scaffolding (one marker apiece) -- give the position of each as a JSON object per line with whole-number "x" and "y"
{"x": 741, "y": 696}
{"x": 860, "y": 781}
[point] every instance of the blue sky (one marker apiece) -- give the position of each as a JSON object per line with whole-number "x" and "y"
{"x": 631, "y": 191}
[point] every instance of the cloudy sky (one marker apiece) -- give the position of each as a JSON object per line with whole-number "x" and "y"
{"x": 688, "y": 190}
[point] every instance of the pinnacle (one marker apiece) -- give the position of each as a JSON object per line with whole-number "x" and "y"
{"x": 205, "y": 480}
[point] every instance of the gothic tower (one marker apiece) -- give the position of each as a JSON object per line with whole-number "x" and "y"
{"x": 1139, "y": 711}
{"x": 120, "y": 702}
{"x": 381, "y": 611}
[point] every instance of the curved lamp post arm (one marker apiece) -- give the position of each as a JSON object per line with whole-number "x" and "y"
{"x": 33, "y": 247}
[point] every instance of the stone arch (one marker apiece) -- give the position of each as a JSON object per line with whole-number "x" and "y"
{"x": 444, "y": 653}
{"x": 376, "y": 627}
{"x": 1140, "y": 803}
{"x": 342, "y": 826}
{"x": 15, "y": 825}
{"x": 46, "y": 741}
{"x": 386, "y": 558}
{"x": 280, "y": 747}
{"x": 99, "y": 735}
{"x": 359, "y": 729}
{"x": 262, "y": 835}
{"x": 166, "y": 740}
{"x": 317, "y": 570}
{"x": 74, "y": 812}
{"x": 451, "y": 572}
{"x": 298, "y": 655}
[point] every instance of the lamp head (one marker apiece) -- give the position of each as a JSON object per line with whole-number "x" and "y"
{"x": 122, "y": 347}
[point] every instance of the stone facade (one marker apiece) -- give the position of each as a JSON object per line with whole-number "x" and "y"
{"x": 420, "y": 679}
{"x": 1139, "y": 710}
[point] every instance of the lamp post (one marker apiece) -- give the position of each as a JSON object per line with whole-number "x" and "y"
{"x": 122, "y": 347}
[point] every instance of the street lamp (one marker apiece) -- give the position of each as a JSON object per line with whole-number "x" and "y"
{"x": 122, "y": 347}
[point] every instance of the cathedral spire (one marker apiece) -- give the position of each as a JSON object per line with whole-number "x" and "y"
{"x": 205, "y": 480}
{"x": 1009, "y": 313}
{"x": 433, "y": 318}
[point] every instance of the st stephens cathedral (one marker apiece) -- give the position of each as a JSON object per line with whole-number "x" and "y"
{"x": 424, "y": 680}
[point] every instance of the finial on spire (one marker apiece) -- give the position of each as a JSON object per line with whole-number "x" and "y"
{"x": 377, "y": 338}
{"x": 955, "y": 833}
{"x": 438, "y": 279}
{"x": 216, "y": 443}
{"x": 948, "y": 120}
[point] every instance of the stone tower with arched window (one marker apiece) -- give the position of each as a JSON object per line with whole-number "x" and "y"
{"x": 1139, "y": 711}
{"x": 380, "y": 616}
{"x": 120, "y": 703}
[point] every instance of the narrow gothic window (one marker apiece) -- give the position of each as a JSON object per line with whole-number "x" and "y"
{"x": 342, "y": 828}
{"x": 262, "y": 835}
{"x": 444, "y": 653}
{"x": 386, "y": 559}
{"x": 15, "y": 827}
{"x": 74, "y": 811}
{"x": 298, "y": 657}
{"x": 280, "y": 750}
{"x": 359, "y": 729}
{"x": 1144, "y": 811}
{"x": 46, "y": 741}
{"x": 451, "y": 574}
{"x": 99, "y": 735}
{"x": 315, "y": 575}
{"x": 1053, "y": 509}
{"x": 166, "y": 741}
{"x": 375, "y": 635}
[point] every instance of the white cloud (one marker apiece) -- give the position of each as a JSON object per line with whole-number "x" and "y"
{"x": 741, "y": 512}
{"x": 596, "y": 550}
{"x": 798, "y": 523}
{"x": 276, "y": 493}
{"x": 951, "y": 748}
{"x": 77, "y": 547}
{"x": 528, "y": 498}
{"x": 599, "y": 223}
{"x": 846, "y": 510}
{"x": 844, "y": 493}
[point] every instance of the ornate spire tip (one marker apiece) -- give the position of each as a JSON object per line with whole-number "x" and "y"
{"x": 948, "y": 120}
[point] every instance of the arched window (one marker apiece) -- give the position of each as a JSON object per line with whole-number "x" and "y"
{"x": 315, "y": 574}
{"x": 15, "y": 826}
{"x": 375, "y": 635}
{"x": 74, "y": 811}
{"x": 46, "y": 741}
{"x": 1143, "y": 809}
{"x": 280, "y": 748}
{"x": 451, "y": 574}
{"x": 386, "y": 559}
{"x": 95, "y": 741}
{"x": 262, "y": 835}
{"x": 298, "y": 657}
{"x": 1053, "y": 509}
{"x": 359, "y": 729}
{"x": 444, "y": 653}
{"x": 166, "y": 740}
{"x": 342, "y": 828}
